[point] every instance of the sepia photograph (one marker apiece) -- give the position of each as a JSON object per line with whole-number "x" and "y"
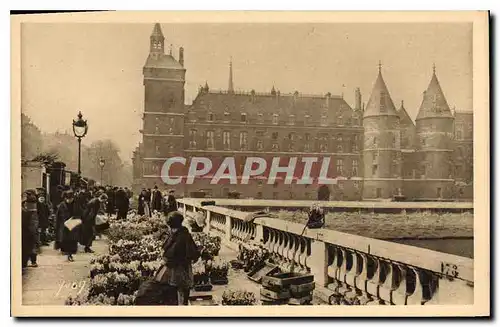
{"x": 318, "y": 163}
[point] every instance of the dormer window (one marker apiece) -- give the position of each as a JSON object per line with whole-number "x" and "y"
{"x": 291, "y": 120}
{"x": 243, "y": 117}
{"x": 307, "y": 119}
{"x": 275, "y": 119}
{"x": 210, "y": 117}
{"x": 324, "y": 120}
{"x": 260, "y": 118}
{"x": 226, "y": 116}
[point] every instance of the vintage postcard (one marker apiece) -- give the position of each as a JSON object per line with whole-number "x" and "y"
{"x": 250, "y": 164}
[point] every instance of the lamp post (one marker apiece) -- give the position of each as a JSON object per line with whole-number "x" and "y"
{"x": 80, "y": 129}
{"x": 101, "y": 164}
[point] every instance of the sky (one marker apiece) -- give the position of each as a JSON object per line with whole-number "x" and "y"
{"x": 97, "y": 67}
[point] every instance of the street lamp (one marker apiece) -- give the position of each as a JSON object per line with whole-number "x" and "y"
{"x": 101, "y": 164}
{"x": 80, "y": 129}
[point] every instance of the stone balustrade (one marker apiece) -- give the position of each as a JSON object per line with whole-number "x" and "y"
{"x": 347, "y": 267}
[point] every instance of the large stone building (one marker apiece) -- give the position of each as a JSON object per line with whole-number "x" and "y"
{"x": 376, "y": 152}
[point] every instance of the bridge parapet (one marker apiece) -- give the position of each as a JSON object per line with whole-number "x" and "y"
{"x": 371, "y": 270}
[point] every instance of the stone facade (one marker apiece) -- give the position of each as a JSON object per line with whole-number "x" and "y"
{"x": 375, "y": 152}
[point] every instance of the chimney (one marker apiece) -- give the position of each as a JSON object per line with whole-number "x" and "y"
{"x": 181, "y": 56}
{"x": 328, "y": 96}
{"x": 357, "y": 97}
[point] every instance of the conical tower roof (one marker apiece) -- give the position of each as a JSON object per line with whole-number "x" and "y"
{"x": 157, "y": 31}
{"x": 404, "y": 117}
{"x": 434, "y": 103}
{"x": 380, "y": 102}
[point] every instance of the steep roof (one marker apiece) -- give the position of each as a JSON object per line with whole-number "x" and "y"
{"x": 404, "y": 117}
{"x": 162, "y": 61}
{"x": 253, "y": 104}
{"x": 157, "y": 31}
{"x": 434, "y": 103}
{"x": 380, "y": 102}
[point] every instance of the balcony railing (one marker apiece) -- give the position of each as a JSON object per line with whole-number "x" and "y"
{"x": 373, "y": 270}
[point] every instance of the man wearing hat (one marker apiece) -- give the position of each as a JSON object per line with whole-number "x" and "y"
{"x": 29, "y": 228}
{"x": 88, "y": 221}
{"x": 44, "y": 211}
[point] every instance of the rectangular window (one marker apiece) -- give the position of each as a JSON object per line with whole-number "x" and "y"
{"x": 192, "y": 138}
{"x": 307, "y": 147}
{"x": 275, "y": 119}
{"x": 243, "y": 140}
{"x": 157, "y": 150}
{"x": 439, "y": 192}
{"x": 259, "y": 133}
{"x": 355, "y": 166}
{"x": 374, "y": 170}
{"x": 210, "y": 117}
{"x": 355, "y": 144}
{"x": 226, "y": 117}
{"x": 323, "y": 147}
{"x": 226, "y": 140}
{"x": 243, "y": 118}
{"x": 307, "y": 120}
{"x": 210, "y": 140}
{"x": 307, "y": 137}
{"x": 340, "y": 166}
{"x": 292, "y": 120}
{"x": 260, "y": 145}
{"x": 274, "y": 135}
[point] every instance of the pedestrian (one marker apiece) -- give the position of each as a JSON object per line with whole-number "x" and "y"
{"x": 148, "y": 202}
{"x": 156, "y": 199}
{"x": 122, "y": 203}
{"x": 30, "y": 235}
{"x": 110, "y": 205}
{"x": 141, "y": 203}
{"x": 170, "y": 204}
{"x": 179, "y": 254}
{"x": 44, "y": 212}
{"x": 88, "y": 220}
{"x": 68, "y": 238}
{"x": 316, "y": 217}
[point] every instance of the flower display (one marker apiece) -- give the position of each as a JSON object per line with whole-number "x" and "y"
{"x": 217, "y": 269}
{"x": 209, "y": 246}
{"x": 252, "y": 255}
{"x": 238, "y": 297}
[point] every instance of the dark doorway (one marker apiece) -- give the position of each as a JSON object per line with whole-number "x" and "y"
{"x": 323, "y": 193}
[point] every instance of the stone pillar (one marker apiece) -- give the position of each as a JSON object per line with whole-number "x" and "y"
{"x": 259, "y": 233}
{"x": 228, "y": 229}
{"x": 206, "y": 229}
{"x": 319, "y": 262}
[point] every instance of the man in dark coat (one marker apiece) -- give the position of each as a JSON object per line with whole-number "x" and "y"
{"x": 141, "y": 203}
{"x": 148, "y": 200}
{"x": 156, "y": 199}
{"x": 170, "y": 204}
{"x": 30, "y": 235}
{"x": 110, "y": 205}
{"x": 44, "y": 212}
{"x": 88, "y": 220}
{"x": 122, "y": 203}
{"x": 68, "y": 239}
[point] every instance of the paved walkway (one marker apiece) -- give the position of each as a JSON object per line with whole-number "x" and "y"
{"x": 55, "y": 278}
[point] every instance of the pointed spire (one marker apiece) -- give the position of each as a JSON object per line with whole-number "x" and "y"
{"x": 434, "y": 103}
{"x": 230, "y": 88}
{"x": 379, "y": 66}
{"x": 380, "y": 102}
{"x": 157, "y": 40}
{"x": 273, "y": 91}
{"x": 206, "y": 88}
{"x": 403, "y": 114}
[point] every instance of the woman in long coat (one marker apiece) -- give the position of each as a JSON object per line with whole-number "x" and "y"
{"x": 88, "y": 221}
{"x": 179, "y": 254}
{"x": 68, "y": 239}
